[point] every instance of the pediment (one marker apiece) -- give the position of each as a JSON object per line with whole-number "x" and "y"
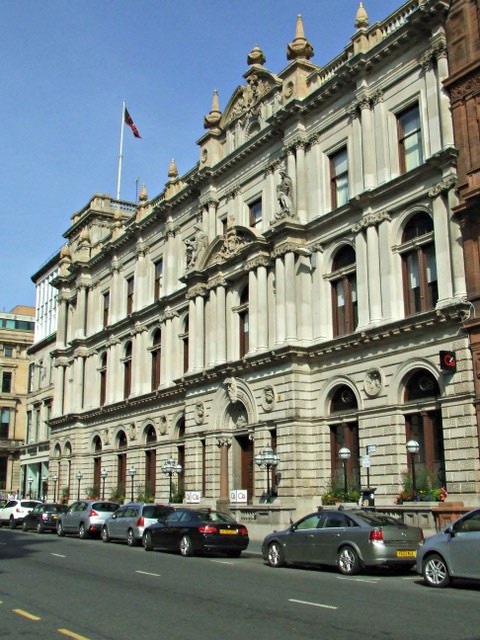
{"x": 228, "y": 246}
{"x": 247, "y": 99}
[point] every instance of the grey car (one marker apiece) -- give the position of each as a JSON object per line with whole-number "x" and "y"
{"x": 129, "y": 522}
{"x": 350, "y": 540}
{"x": 452, "y": 553}
{"x": 85, "y": 517}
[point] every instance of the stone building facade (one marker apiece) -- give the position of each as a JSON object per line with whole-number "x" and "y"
{"x": 16, "y": 335}
{"x": 294, "y": 290}
{"x": 463, "y": 84}
{"x": 35, "y": 476}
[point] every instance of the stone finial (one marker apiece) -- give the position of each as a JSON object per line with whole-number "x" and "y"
{"x": 300, "y": 47}
{"x": 361, "y": 19}
{"x": 172, "y": 170}
{"x": 256, "y": 56}
{"x": 84, "y": 237}
{"x": 212, "y": 119}
{"x": 143, "y": 197}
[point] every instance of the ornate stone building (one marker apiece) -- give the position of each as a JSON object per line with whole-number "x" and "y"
{"x": 463, "y": 42}
{"x": 293, "y": 290}
{"x": 35, "y": 476}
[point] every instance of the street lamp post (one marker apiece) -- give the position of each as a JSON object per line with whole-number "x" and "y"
{"x": 55, "y": 480}
{"x": 413, "y": 448}
{"x": 79, "y": 478}
{"x": 30, "y": 481}
{"x": 345, "y": 454}
{"x": 104, "y": 475}
{"x": 170, "y": 467}
{"x": 132, "y": 472}
{"x": 268, "y": 459}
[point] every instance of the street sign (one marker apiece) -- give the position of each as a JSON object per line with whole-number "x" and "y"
{"x": 366, "y": 461}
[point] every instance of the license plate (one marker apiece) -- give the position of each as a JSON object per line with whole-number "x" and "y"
{"x": 406, "y": 553}
{"x": 228, "y": 532}
{"x": 54, "y": 517}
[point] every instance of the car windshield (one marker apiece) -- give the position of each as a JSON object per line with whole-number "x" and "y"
{"x": 28, "y": 504}
{"x": 55, "y": 508}
{"x": 380, "y": 519}
{"x": 155, "y": 511}
{"x": 105, "y": 506}
{"x": 216, "y": 516}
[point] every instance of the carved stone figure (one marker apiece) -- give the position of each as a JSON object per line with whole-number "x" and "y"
{"x": 284, "y": 196}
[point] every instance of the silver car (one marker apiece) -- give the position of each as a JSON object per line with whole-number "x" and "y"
{"x": 129, "y": 522}
{"x": 349, "y": 540}
{"x": 85, "y": 517}
{"x": 452, "y": 553}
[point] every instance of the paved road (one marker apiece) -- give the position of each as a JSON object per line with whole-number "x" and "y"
{"x": 53, "y": 588}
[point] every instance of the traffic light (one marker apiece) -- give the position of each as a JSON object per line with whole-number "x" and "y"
{"x": 448, "y": 362}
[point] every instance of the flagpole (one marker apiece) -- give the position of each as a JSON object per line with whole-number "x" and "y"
{"x": 120, "y": 153}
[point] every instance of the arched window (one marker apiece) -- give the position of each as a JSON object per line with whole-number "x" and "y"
{"x": 97, "y": 444}
{"x": 156, "y": 355}
{"x": 103, "y": 378}
{"x": 419, "y": 265}
{"x": 344, "y": 433}
{"x": 121, "y": 441}
{"x": 244, "y": 321}
{"x": 127, "y": 371}
{"x": 426, "y": 428}
{"x": 344, "y": 292}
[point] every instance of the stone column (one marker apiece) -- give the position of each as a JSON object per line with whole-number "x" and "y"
{"x": 368, "y": 143}
{"x": 290, "y": 296}
{"x": 252, "y": 308}
{"x": 442, "y": 240}
{"x": 220, "y": 329}
{"x": 224, "y": 443}
{"x": 446, "y": 122}
{"x": 62, "y": 320}
{"x": 374, "y": 292}
{"x": 301, "y": 183}
{"x": 262, "y": 308}
{"x": 362, "y": 280}
{"x": 211, "y": 328}
{"x": 431, "y": 92}
{"x": 80, "y": 319}
{"x": 280, "y": 300}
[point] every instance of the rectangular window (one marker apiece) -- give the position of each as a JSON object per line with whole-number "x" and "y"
{"x": 7, "y": 382}
{"x": 255, "y": 213}
{"x": 158, "y": 279}
{"x": 339, "y": 178}
{"x": 410, "y": 148}
{"x": 130, "y": 286}
{"x": 8, "y": 352}
{"x": 4, "y": 423}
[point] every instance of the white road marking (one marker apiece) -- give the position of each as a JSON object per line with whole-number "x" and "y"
{"x": 58, "y": 555}
{"x": 147, "y": 573}
{"x": 367, "y": 580}
{"x": 222, "y": 561}
{"x": 312, "y": 604}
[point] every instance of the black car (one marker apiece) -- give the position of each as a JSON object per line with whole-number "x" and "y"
{"x": 43, "y": 517}
{"x": 192, "y": 531}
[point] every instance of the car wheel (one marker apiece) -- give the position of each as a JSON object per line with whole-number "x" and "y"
{"x": 39, "y": 527}
{"x": 275, "y": 555}
{"x": 24, "y": 526}
{"x": 60, "y": 530}
{"x": 348, "y": 561}
{"x": 82, "y": 533}
{"x": 435, "y": 572}
{"x": 131, "y": 540}
{"x": 147, "y": 541}
{"x": 186, "y": 548}
{"x": 105, "y": 536}
{"x": 11, "y": 523}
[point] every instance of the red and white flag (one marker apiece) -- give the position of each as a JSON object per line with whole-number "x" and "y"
{"x": 129, "y": 121}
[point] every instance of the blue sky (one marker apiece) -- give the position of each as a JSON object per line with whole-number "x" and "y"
{"x": 69, "y": 64}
